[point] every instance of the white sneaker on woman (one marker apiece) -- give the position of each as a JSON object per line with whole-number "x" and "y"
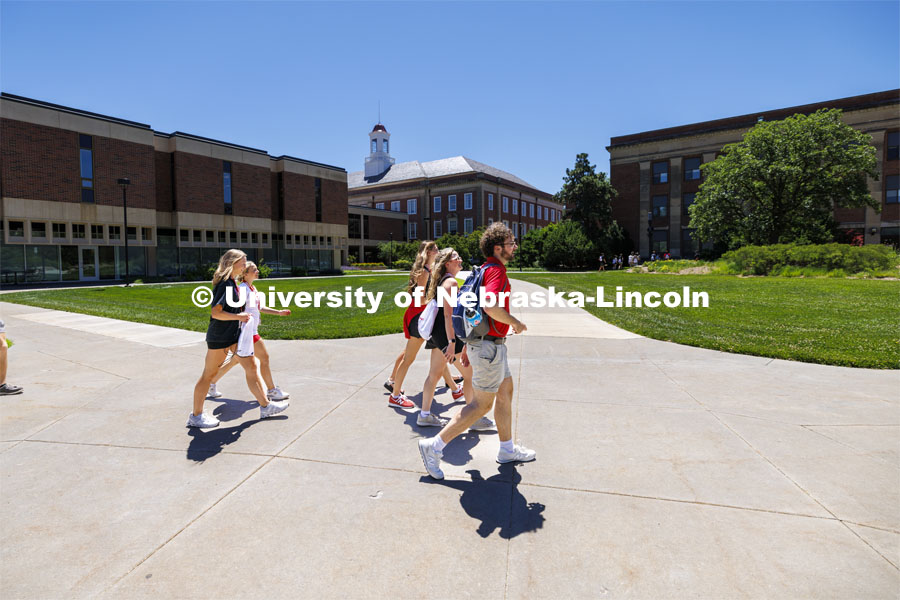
{"x": 276, "y": 394}
{"x": 202, "y": 421}
{"x": 213, "y": 392}
{"x": 272, "y": 408}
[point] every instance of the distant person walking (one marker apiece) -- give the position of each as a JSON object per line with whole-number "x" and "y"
{"x": 491, "y": 376}
{"x": 6, "y": 389}
{"x": 221, "y": 336}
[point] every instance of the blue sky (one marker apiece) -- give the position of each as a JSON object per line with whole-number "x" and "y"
{"x": 522, "y": 86}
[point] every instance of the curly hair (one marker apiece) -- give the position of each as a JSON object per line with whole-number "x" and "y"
{"x": 440, "y": 268}
{"x": 494, "y": 235}
{"x": 420, "y": 265}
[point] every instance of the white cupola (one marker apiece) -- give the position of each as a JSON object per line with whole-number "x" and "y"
{"x": 379, "y": 159}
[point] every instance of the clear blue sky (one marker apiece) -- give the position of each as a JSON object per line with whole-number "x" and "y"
{"x": 522, "y": 86}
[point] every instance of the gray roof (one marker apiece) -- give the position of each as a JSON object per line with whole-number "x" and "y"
{"x": 431, "y": 169}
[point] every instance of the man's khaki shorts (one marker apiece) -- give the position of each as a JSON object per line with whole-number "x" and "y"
{"x": 489, "y": 365}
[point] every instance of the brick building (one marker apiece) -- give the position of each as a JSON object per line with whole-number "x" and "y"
{"x": 189, "y": 199}
{"x": 658, "y": 172}
{"x": 449, "y": 195}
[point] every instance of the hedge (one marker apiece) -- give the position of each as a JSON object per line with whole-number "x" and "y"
{"x": 763, "y": 260}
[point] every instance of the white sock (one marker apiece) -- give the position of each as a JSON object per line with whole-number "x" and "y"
{"x": 507, "y": 446}
{"x": 438, "y": 443}
{"x": 425, "y": 413}
{"x": 212, "y": 386}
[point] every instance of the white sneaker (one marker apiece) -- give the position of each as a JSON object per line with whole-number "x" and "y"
{"x": 483, "y": 424}
{"x": 431, "y": 420}
{"x": 431, "y": 458}
{"x": 202, "y": 421}
{"x": 272, "y": 408}
{"x": 213, "y": 392}
{"x": 519, "y": 454}
{"x": 276, "y": 394}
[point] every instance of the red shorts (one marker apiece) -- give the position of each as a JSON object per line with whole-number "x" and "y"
{"x": 256, "y": 338}
{"x": 411, "y": 313}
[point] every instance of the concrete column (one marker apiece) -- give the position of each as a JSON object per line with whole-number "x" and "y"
{"x": 644, "y": 208}
{"x": 361, "y": 257}
{"x": 675, "y": 179}
{"x": 873, "y": 219}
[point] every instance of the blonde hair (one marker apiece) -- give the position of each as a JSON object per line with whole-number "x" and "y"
{"x": 440, "y": 268}
{"x": 250, "y": 265}
{"x": 419, "y": 265}
{"x": 226, "y": 265}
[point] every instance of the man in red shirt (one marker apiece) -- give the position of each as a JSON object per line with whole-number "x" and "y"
{"x": 491, "y": 377}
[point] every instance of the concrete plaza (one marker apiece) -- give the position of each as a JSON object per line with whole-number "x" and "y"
{"x": 663, "y": 471}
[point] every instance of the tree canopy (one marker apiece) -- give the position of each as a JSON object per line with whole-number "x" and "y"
{"x": 587, "y": 196}
{"x": 782, "y": 182}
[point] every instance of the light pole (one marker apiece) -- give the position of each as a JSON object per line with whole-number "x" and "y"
{"x": 124, "y": 182}
{"x": 391, "y": 251}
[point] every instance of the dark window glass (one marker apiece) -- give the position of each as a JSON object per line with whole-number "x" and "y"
{"x": 686, "y": 201}
{"x": 68, "y": 259}
{"x": 660, "y": 206}
{"x": 893, "y": 145}
{"x": 39, "y": 230}
{"x": 96, "y": 232}
{"x": 689, "y": 246}
{"x": 318, "y": 200}
{"x": 86, "y": 162}
{"x": 385, "y": 144}
{"x": 221, "y": 237}
{"x": 254, "y": 238}
{"x": 890, "y": 236}
{"x": 891, "y": 183}
{"x": 660, "y": 172}
{"x": 243, "y": 237}
{"x": 660, "y": 240}
{"x": 374, "y": 145}
{"x": 78, "y": 231}
{"x": 265, "y": 238}
{"x": 87, "y": 195}
{"x": 185, "y": 235}
{"x": 197, "y": 236}
{"x": 232, "y": 236}
{"x": 59, "y": 230}
{"x": 132, "y": 233}
{"x": 691, "y": 169}
{"x": 147, "y": 234}
{"x": 226, "y": 180}
{"x": 210, "y": 237}
{"x": 114, "y": 232}
{"x": 85, "y": 141}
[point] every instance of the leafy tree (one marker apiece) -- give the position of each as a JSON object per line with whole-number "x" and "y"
{"x": 587, "y": 196}
{"x": 530, "y": 252}
{"x": 782, "y": 182}
{"x": 397, "y": 251}
{"x": 466, "y": 245}
{"x": 567, "y": 246}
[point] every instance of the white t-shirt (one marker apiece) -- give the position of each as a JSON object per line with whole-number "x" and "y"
{"x": 251, "y": 327}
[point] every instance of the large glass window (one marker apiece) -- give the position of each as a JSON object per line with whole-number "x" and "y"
{"x": 379, "y": 205}
{"x": 107, "y": 255}
{"x": 78, "y": 231}
{"x": 691, "y": 169}
{"x": 437, "y": 229}
{"x": 86, "y": 161}
{"x": 196, "y": 235}
{"x": 318, "y": 200}
{"x": 890, "y": 236}
{"x": 17, "y": 229}
{"x": 660, "y": 206}
{"x": 96, "y": 232}
{"x": 893, "y": 145}
{"x": 59, "y": 231}
{"x": 42, "y": 263}
{"x": 132, "y": 233}
{"x": 891, "y": 183}
{"x": 660, "y": 240}
{"x": 68, "y": 262}
{"x": 38, "y": 230}
{"x": 185, "y": 235}
{"x": 166, "y": 253}
{"x": 467, "y": 226}
{"x": 437, "y": 204}
{"x": 689, "y": 246}
{"x": 451, "y": 225}
{"x": 412, "y": 232}
{"x": 515, "y": 206}
{"x": 114, "y": 232}
{"x": 490, "y": 202}
{"x": 467, "y": 201}
{"x": 451, "y": 203}
{"x": 395, "y": 206}
{"x": 661, "y": 172}
{"x": 686, "y": 201}
{"x": 411, "y": 206}
{"x": 226, "y": 186}
{"x": 221, "y": 237}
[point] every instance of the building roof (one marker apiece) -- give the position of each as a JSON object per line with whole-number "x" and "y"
{"x": 444, "y": 167}
{"x": 746, "y": 121}
{"x": 379, "y": 127}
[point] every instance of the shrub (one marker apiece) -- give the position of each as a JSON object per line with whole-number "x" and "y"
{"x": 566, "y": 246}
{"x": 765, "y": 260}
{"x": 264, "y": 270}
{"x": 368, "y": 266}
{"x": 395, "y": 251}
{"x": 200, "y": 272}
{"x": 403, "y": 265}
{"x": 298, "y": 272}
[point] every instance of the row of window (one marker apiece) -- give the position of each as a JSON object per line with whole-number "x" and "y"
{"x": 661, "y": 205}
{"x": 60, "y": 232}
{"x": 691, "y": 170}
{"x": 252, "y": 238}
{"x": 528, "y": 210}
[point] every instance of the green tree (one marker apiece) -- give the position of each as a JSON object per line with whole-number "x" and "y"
{"x": 466, "y": 245}
{"x": 531, "y": 248}
{"x": 566, "y": 246}
{"x": 397, "y": 251}
{"x": 587, "y": 196}
{"x": 782, "y": 182}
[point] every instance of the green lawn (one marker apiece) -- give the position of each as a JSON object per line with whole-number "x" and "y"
{"x": 851, "y": 322}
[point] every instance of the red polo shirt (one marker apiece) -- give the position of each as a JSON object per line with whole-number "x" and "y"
{"x": 494, "y": 282}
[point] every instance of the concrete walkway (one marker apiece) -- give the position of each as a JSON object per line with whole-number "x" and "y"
{"x": 662, "y": 471}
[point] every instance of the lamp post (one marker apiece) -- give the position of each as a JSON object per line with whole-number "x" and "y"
{"x": 391, "y": 251}
{"x": 125, "y": 182}
{"x": 427, "y": 231}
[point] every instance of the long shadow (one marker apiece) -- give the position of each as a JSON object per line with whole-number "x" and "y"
{"x": 206, "y": 443}
{"x": 488, "y": 501}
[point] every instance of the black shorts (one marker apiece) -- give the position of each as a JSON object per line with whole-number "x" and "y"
{"x": 220, "y": 345}
{"x": 439, "y": 340}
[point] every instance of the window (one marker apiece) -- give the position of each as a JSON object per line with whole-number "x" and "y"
{"x": 467, "y": 201}
{"x": 891, "y": 183}
{"x": 506, "y": 223}
{"x": 546, "y": 213}
{"x": 660, "y": 241}
{"x": 686, "y": 201}
{"x": 660, "y": 206}
{"x": 515, "y": 228}
{"x": 328, "y": 241}
{"x": 210, "y": 237}
{"x": 531, "y": 211}
{"x": 437, "y": 204}
{"x": 553, "y": 214}
{"x": 468, "y": 226}
{"x": 244, "y": 238}
{"x": 197, "y": 236}
{"x": 265, "y": 239}
{"x": 490, "y": 202}
{"x": 226, "y": 185}
{"x": 660, "y": 172}
{"x": 86, "y": 160}
{"x": 893, "y": 145}
{"x": 505, "y": 204}
{"x": 232, "y": 236}
{"x": 59, "y": 230}
{"x": 451, "y": 202}
{"x": 689, "y": 246}
{"x": 77, "y": 230}
{"x": 116, "y": 234}
{"x": 451, "y": 225}
{"x": 395, "y": 206}
{"x": 318, "y": 199}
{"x": 890, "y": 236}
{"x": 96, "y": 232}
{"x": 411, "y": 206}
{"x": 185, "y": 235}
{"x": 132, "y": 233}
{"x": 380, "y": 205}
{"x": 515, "y": 206}
{"x": 412, "y": 232}
{"x": 490, "y": 221}
{"x": 691, "y": 169}
{"x": 384, "y": 145}
{"x": 221, "y": 237}
{"x": 254, "y": 238}
{"x": 374, "y": 146}
{"x": 437, "y": 229}
{"x": 38, "y": 230}
{"x": 17, "y": 229}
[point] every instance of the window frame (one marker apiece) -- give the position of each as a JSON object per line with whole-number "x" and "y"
{"x": 86, "y": 144}
{"x": 467, "y": 201}
{"x": 114, "y": 233}
{"x": 227, "y": 187}
{"x": 660, "y": 214}
{"x": 662, "y": 177}
{"x": 490, "y": 202}
{"x": 437, "y": 228}
{"x": 451, "y": 203}
{"x": 395, "y": 206}
{"x": 692, "y": 171}
{"x": 436, "y": 204}
{"x": 411, "y": 230}
{"x": 412, "y": 206}
{"x": 468, "y": 225}
{"x": 888, "y": 189}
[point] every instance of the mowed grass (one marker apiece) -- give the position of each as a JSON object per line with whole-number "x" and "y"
{"x": 850, "y": 322}
{"x": 171, "y": 306}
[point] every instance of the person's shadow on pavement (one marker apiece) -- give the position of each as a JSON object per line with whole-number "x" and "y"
{"x": 206, "y": 443}
{"x": 487, "y": 500}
